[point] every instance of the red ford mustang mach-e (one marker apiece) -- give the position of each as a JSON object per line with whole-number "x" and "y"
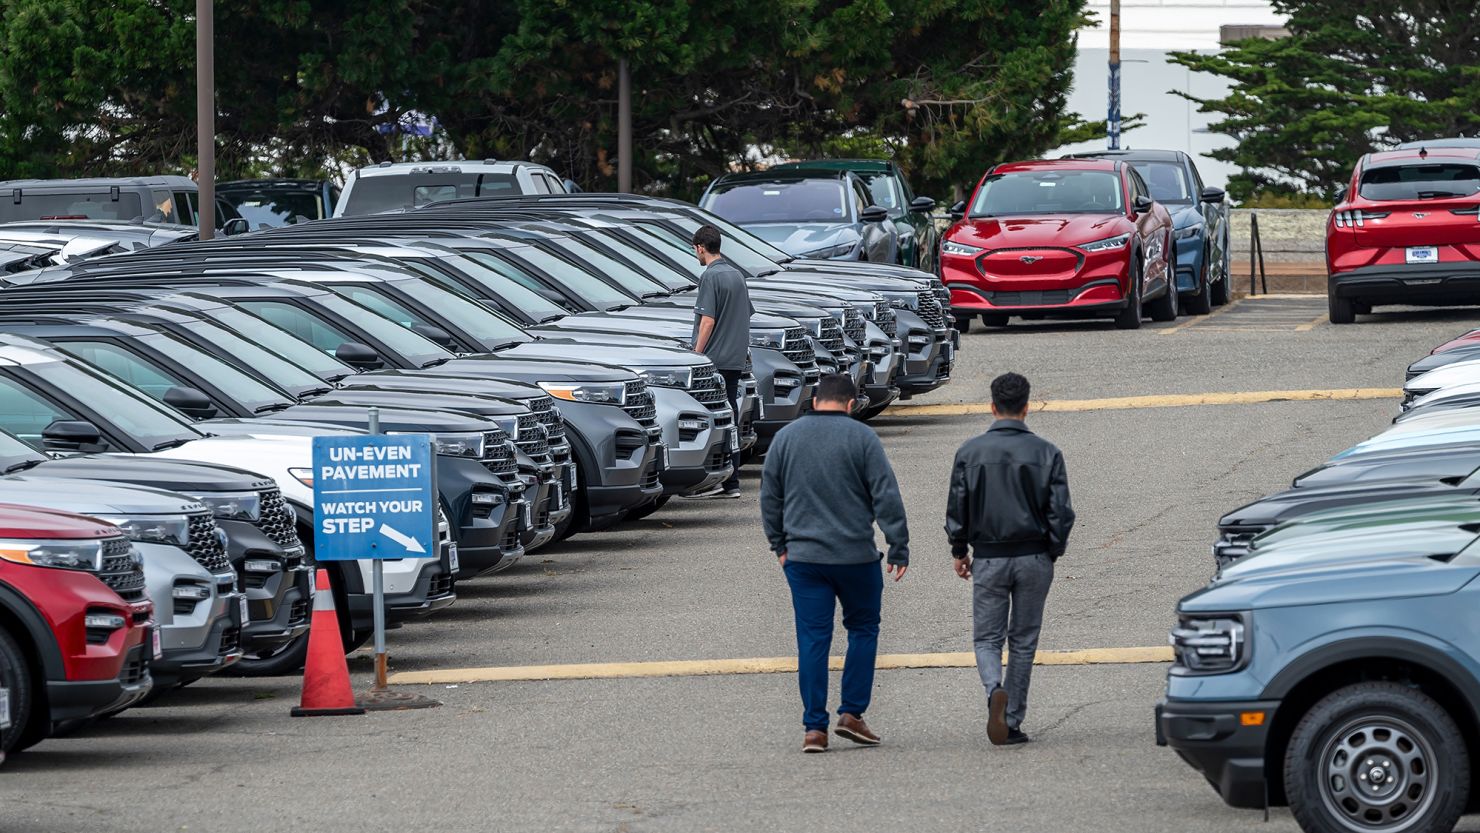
{"x": 1066, "y": 238}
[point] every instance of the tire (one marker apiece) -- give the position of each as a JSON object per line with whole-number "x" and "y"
{"x": 1223, "y": 287}
{"x": 639, "y": 514}
{"x": 286, "y": 660}
{"x": 993, "y": 319}
{"x": 1387, "y": 728}
{"x": 869, "y": 413}
{"x": 1164, "y": 309}
{"x": 1201, "y": 301}
{"x": 1130, "y": 317}
{"x": 27, "y": 728}
{"x": 1340, "y": 310}
{"x": 963, "y": 324}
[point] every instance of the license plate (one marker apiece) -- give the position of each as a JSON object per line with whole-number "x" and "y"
{"x": 528, "y": 515}
{"x": 570, "y": 476}
{"x": 242, "y": 603}
{"x": 734, "y": 440}
{"x": 1423, "y": 254}
{"x": 665, "y": 457}
{"x": 313, "y": 583}
{"x": 950, "y": 352}
{"x": 557, "y": 497}
{"x": 452, "y": 561}
{"x": 158, "y": 642}
{"x": 4, "y": 708}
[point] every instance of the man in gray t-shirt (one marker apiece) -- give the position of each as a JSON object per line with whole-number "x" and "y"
{"x": 722, "y": 332}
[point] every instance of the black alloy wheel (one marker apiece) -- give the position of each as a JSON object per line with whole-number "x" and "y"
{"x": 1201, "y": 301}
{"x": 1130, "y": 317}
{"x": 1164, "y": 309}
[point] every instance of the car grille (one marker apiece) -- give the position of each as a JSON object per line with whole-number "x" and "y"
{"x": 205, "y": 545}
{"x": 880, "y": 311}
{"x": 853, "y": 325}
{"x": 797, "y": 349}
{"x": 123, "y": 569}
{"x": 1031, "y": 298}
{"x": 709, "y": 388}
{"x": 499, "y": 453}
{"x": 889, "y": 323}
{"x": 231, "y": 640}
{"x": 441, "y": 585}
{"x": 640, "y": 404}
{"x": 931, "y": 310}
{"x": 277, "y": 519}
{"x": 511, "y": 536}
{"x": 650, "y": 477}
{"x": 135, "y": 667}
{"x": 533, "y": 439}
{"x": 298, "y": 613}
{"x": 544, "y": 410}
{"x": 1234, "y": 541}
{"x": 831, "y": 337}
{"x": 717, "y": 459}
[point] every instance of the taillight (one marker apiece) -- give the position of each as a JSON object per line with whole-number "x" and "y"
{"x": 1356, "y": 217}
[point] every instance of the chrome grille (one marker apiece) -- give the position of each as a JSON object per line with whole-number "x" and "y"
{"x": 532, "y": 441}
{"x": 797, "y": 349}
{"x": 853, "y": 325}
{"x": 640, "y": 405}
{"x": 709, "y": 387}
{"x": 832, "y": 336}
{"x": 277, "y": 519}
{"x": 881, "y": 311}
{"x": 205, "y": 545}
{"x": 1234, "y": 541}
{"x": 888, "y": 323}
{"x": 930, "y": 310}
{"x": 123, "y": 569}
{"x": 545, "y": 411}
{"x": 498, "y": 453}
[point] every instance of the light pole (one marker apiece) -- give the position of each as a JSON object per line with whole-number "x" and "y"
{"x": 624, "y": 127}
{"x": 205, "y": 116}
{"x": 1112, "y": 119}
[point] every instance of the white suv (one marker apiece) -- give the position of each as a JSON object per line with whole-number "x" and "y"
{"x": 393, "y": 186}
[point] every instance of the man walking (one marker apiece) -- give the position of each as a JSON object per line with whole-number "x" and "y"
{"x": 722, "y": 332}
{"x": 1009, "y": 501}
{"x": 825, "y": 482}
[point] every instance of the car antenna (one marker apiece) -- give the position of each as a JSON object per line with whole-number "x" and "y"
{"x": 1423, "y": 153}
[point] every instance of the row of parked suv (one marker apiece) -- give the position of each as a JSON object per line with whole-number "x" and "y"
{"x": 1333, "y": 663}
{"x": 162, "y": 400}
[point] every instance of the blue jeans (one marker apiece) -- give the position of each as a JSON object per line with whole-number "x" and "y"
{"x": 815, "y": 591}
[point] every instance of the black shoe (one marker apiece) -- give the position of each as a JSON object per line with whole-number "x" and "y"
{"x": 997, "y": 731}
{"x": 1015, "y": 737}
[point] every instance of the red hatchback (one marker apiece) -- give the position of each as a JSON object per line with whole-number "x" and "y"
{"x": 1407, "y": 231}
{"x": 1063, "y": 238}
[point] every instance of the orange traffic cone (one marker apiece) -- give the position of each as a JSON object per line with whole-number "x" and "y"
{"x": 326, "y": 689}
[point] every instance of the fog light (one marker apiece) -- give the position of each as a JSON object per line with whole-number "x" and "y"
{"x": 190, "y": 591}
{"x": 103, "y": 621}
{"x": 487, "y": 498}
{"x": 691, "y": 425}
{"x": 262, "y": 565}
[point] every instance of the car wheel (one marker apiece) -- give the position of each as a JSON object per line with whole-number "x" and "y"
{"x": 26, "y": 728}
{"x": 1340, "y": 310}
{"x": 993, "y": 319}
{"x": 275, "y": 662}
{"x": 1374, "y": 757}
{"x": 963, "y": 325}
{"x": 1223, "y": 287}
{"x": 639, "y": 514}
{"x": 1130, "y": 317}
{"x": 1201, "y": 301}
{"x": 1165, "y": 308}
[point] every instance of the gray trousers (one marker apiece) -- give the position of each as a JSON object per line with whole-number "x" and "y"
{"x": 1007, "y": 605}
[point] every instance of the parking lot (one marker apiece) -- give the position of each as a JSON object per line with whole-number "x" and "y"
{"x": 1163, "y": 430}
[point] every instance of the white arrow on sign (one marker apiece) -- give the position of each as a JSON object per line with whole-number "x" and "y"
{"x": 411, "y": 544}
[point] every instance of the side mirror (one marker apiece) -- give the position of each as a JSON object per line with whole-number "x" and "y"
{"x": 924, "y": 205}
{"x": 1143, "y": 204}
{"x": 874, "y": 214}
{"x": 958, "y": 210}
{"x": 359, "y": 356}
{"x": 433, "y": 333}
{"x": 190, "y": 402}
{"x": 1213, "y": 195}
{"x": 235, "y": 226}
{"x": 72, "y": 435}
{"x": 1341, "y": 194}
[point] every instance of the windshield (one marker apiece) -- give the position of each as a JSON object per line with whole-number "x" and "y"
{"x": 593, "y": 260}
{"x": 229, "y": 380}
{"x": 674, "y": 250}
{"x": 281, "y": 371}
{"x": 1420, "y": 182}
{"x": 151, "y": 425}
{"x": 1167, "y": 180}
{"x": 98, "y": 206}
{"x": 276, "y": 207}
{"x": 374, "y": 194}
{"x": 1048, "y": 192}
{"x": 661, "y": 270}
{"x": 737, "y": 251}
{"x": 786, "y": 201}
{"x": 574, "y": 281}
{"x": 282, "y": 341}
{"x": 14, "y": 453}
{"x": 417, "y": 349}
{"x": 465, "y": 314}
{"x": 496, "y": 277}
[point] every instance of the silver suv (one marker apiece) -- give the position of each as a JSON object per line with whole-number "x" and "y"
{"x": 393, "y": 186}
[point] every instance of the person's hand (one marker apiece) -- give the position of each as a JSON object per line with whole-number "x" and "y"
{"x": 963, "y": 566}
{"x": 781, "y": 558}
{"x": 896, "y": 570}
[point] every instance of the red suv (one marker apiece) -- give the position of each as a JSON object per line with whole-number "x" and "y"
{"x": 76, "y": 630}
{"x": 1066, "y": 238}
{"x": 1406, "y": 231}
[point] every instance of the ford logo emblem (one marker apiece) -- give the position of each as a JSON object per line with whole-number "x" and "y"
{"x": 1030, "y": 259}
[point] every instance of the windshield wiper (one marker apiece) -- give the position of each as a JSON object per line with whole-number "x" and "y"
{"x": 272, "y": 407}
{"x": 21, "y": 466}
{"x": 435, "y": 362}
{"x": 171, "y": 444}
{"x": 1431, "y": 195}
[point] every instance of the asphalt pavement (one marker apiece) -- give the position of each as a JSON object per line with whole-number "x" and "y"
{"x": 695, "y": 582}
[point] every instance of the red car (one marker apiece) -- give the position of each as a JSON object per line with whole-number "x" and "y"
{"x": 76, "y": 630}
{"x": 1064, "y": 238}
{"x": 1406, "y": 231}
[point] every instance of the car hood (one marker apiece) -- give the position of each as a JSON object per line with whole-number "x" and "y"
{"x": 170, "y": 475}
{"x": 532, "y": 370}
{"x": 454, "y": 400}
{"x": 93, "y": 498}
{"x": 758, "y": 320}
{"x": 414, "y": 381}
{"x": 1444, "y": 461}
{"x": 1458, "y": 373}
{"x": 1391, "y": 575}
{"x": 1304, "y": 502}
{"x": 1417, "y": 517}
{"x": 1445, "y": 359}
{"x": 624, "y": 356}
{"x": 1419, "y": 434}
{"x": 855, "y": 274}
{"x": 1046, "y": 230}
{"x": 765, "y": 303}
{"x": 1184, "y": 215}
{"x": 800, "y": 238}
{"x": 331, "y": 419}
{"x": 266, "y": 452}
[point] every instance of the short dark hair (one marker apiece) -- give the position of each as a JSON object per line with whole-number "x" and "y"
{"x": 1010, "y": 393}
{"x": 835, "y": 387}
{"x": 708, "y": 237}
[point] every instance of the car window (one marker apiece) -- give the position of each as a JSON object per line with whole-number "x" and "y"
{"x": 77, "y": 206}
{"x": 230, "y": 380}
{"x": 1138, "y": 185}
{"x": 593, "y": 260}
{"x": 462, "y": 311}
{"x": 556, "y": 186}
{"x": 249, "y": 354}
{"x": 300, "y": 323}
{"x": 25, "y": 414}
{"x": 1167, "y": 182}
{"x": 883, "y": 190}
{"x": 374, "y": 194}
{"x": 861, "y": 198}
{"x": 571, "y": 278}
{"x": 276, "y": 206}
{"x": 507, "y": 282}
{"x": 662, "y": 269}
{"x": 1048, "y": 192}
{"x": 124, "y": 366}
{"x": 145, "y": 421}
{"x": 538, "y": 183}
{"x": 1420, "y": 181}
{"x": 282, "y": 341}
{"x": 184, "y": 208}
{"x": 786, "y": 201}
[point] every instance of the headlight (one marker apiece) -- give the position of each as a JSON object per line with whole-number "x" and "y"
{"x": 775, "y": 339}
{"x": 903, "y": 300}
{"x": 509, "y": 424}
{"x": 240, "y": 506}
{"x": 952, "y": 248}
{"x": 468, "y": 444}
{"x": 153, "y": 529}
{"x": 840, "y": 250}
{"x": 1213, "y": 643}
{"x": 1189, "y": 232}
{"x": 304, "y": 476}
{"x": 68, "y": 555}
{"x": 668, "y": 377}
{"x": 600, "y": 393}
{"x": 1108, "y": 244}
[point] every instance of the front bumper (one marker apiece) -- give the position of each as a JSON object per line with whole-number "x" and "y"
{"x": 929, "y": 355}
{"x": 696, "y": 460}
{"x": 1211, "y": 738}
{"x": 278, "y": 603}
{"x": 486, "y": 532}
{"x": 1428, "y": 284}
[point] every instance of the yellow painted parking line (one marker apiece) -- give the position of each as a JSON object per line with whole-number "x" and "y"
{"x": 1199, "y": 319}
{"x": 759, "y": 665}
{"x": 1168, "y": 400}
{"x": 1311, "y": 325}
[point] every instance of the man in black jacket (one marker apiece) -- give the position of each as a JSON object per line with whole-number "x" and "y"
{"x": 1009, "y": 501}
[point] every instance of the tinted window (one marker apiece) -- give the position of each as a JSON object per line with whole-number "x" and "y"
{"x": 270, "y": 365}
{"x": 796, "y": 201}
{"x": 508, "y": 282}
{"x": 284, "y": 342}
{"x": 1167, "y": 181}
{"x": 229, "y": 380}
{"x": 538, "y": 183}
{"x": 629, "y": 279}
{"x": 124, "y": 366}
{"x": 143, "y": 420}
{"x": 572, "y": 278}
{"x": 663, "y": 269}
{"x": 1420, "y": 182}
{"x": 883, "y": 190}
{"x": 374, "y": 194}
{"x": 276, "y": 207}
{"x": 468, "y": 315}
{"x": 94, "y": 206}
{"x": 25, "y": 414}
{"x": 301, "y": 323}
{"x": 1049, "y": 192}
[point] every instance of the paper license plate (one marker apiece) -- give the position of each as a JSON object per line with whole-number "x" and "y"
{"x": 4, "y": 708}
{"x": 1423, "y": 254}
{"x": 665, "y": 457}
{"x": 242, "y": 602}
{"x": 950, "y": 352}
{"x": 734, "y": 440}
{"x": 452, "y": 561}
{"x": 158, "y": 642}
{"x": 313, "y": 582}
{"x": 528, "y": 515}
{"x": 557, "y": 497}
{"x": 570, "y": 476}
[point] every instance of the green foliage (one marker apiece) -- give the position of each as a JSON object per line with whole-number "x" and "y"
{"x": 1277, "y": 199}
{"x": 947, "y": 87}
{"x": 1354, "y": 75}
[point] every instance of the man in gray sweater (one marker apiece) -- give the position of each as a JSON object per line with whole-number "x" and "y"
{"x": 825, "y": 482}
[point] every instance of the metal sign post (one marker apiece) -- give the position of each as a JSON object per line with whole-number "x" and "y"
{"x": 375, "y": 498}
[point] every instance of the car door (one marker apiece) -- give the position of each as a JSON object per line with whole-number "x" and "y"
{"x": 926, "y": 243}
{"x": 1215, "y": 224}
{"x": 1154, "y": 228}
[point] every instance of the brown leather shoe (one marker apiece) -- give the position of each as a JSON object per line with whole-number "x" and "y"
{"x": 997, "y": 716}
{"x": 853, "y": 728}
{"x": 815, "y": 742}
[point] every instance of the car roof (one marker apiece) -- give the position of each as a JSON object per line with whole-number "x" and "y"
{"x": 1448, "y": 142}
{"x": 261, "y": 184}
{"x": 789, "y": 175}
{"x": 100, "y": 182}
{"x": 1129, "y": 155}
{"x": 870, "y": 165}
{"x": 1057, "y": 165}
{"x": 467, "y": 166}
{"x": 1385, "y": 158}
